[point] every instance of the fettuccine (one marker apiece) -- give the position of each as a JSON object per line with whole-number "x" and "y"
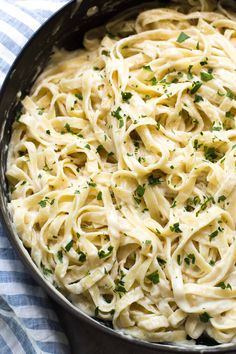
{"x": 122, "y": 173}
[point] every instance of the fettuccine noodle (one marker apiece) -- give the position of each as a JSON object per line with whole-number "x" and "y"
{"x": 122, "y": 173}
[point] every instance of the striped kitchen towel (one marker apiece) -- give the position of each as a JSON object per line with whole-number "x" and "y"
{"x": 28, "y": 323}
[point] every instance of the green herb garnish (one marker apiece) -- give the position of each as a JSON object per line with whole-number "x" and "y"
{"x": 221, "y": 198}
{"x": 79, "y": 96}
{"x": 82, "y": 256}
{"x": 213, "y": 235}
{"x": 198, "y": 98}
{"x": 126, "y": 96}
{"x": 206, "y": 76}
{"x": 99, "y": 196}
{"x": 60, "y": 255}
{"x": 204, "y": 317}
{"x": 46, "y": 271}
{"x": 140, "y": 190}
{"x": 190, "y": 258}
{"x": 154, "y": 277}
{"x": 195, "y": 87}
{"x": 103, "y": 254}
{"x": 175, "y": 228}
{"x": 147, "y": 67}
{"x": 69, "y": 245}
{"x": 182, "y": 37}
{"x": 117, "y": 115}
{"x": 153, "y": 181}
{"x": 224, "y": 286}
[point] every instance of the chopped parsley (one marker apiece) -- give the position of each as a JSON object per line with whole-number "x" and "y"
{"x": 46, "y": 271}
{"x": 139, "y": 191}
{"x": 175, "y": 228}
{"x": 79, "y": 96}
{"x": 117, "y": 115}
{"x": 195, "y": 87}
{"x": 69, "y": 245}
{"x": 12, "y": 189}
{"x": 99, "y": 196}
{"x": 126, "y": 96}
{"x": 82, "y": 256}
{"x": 106, "y": 53}
{"x": 196, "y": 145}
{"x": 153, "y": 81}
{"x": 100, "y": 148}
{"x": 43, "y": 203}
{"x": 120, "y": 288}
{"x": 161, "y": 261}
{"x": 147, "y": 67}
{"x": 224, "y": 286}
{"x": 190, "y": 75}
{"x": 154, "y": 277}
{"x": 153, "y": 181}
{"x": 179, "y": 259}
{"x": 204, "y": 62}
{"x": 205, "y": 204}
{"x": 40, "y": 111}
{"x": 204, "y": 317}
{"x": 182, "y": 37}
{"x": 87, "y": 146}
{"x": 60, "y": 255}
{"x": 221, "y": 198}
{"x": 198, "y": 98}
{"x": 68, "y": 128}
{"x": 103, "y": 254}
{"x": 213, "y": 235}
{"x": 91, "y": 184}
{"x": 148, "y": 242}
{"x": 230, "y": 95}
{"x": 211, "y": 154}
{"x": 216, "y": 128}
{"x": 229, "y": 115}
{"x": 221, "y": 94}
{"x": 190, "y": 258}
{"x": 206, "y": 76}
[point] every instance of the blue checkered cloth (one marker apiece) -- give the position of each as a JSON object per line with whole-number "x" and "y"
{"x": 28, "y": 323}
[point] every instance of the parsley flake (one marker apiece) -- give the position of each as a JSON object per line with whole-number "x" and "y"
{"x": 154, "y": 277}
{"x": 126, "y": 96}
{"x": 69, "y": 245}
{"x": 206, "y": 76}
{"x": 213, "y": 235}
{"x": 204, "y": 317}
{"x": 182, "y": 37}
{"x": 195, "y": 87}
{"x": 103, "y": 254}
{"x": 175, "y": 228}
{"x": 140, "y": 190}
{"x": 99, "y": 196}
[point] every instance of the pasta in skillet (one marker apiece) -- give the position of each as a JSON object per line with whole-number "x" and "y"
{"x": 122, "y": 173}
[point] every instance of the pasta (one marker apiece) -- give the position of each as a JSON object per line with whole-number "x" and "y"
{"x": 122, "y": 173}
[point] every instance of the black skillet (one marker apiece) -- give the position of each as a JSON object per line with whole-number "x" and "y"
{"x": 65, "y": 30}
